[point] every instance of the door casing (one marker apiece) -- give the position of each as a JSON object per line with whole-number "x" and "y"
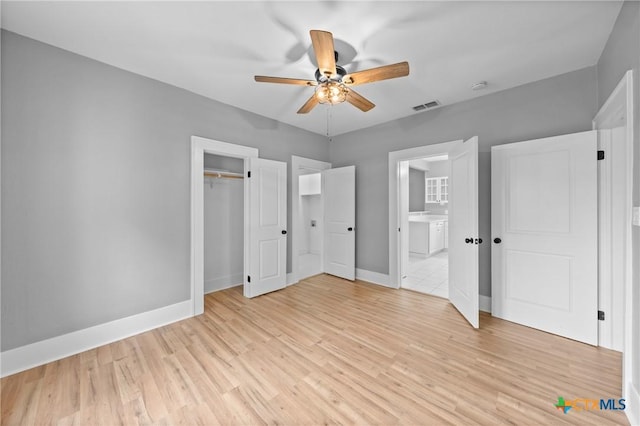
{"x": 621, "y": 104}
{"x": 200, "y": 146}
{"x": 395, "y": 222}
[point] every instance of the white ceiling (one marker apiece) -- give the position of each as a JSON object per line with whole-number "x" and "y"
{"x": 215, "y": 48}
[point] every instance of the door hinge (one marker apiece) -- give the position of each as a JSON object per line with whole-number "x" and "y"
{"x": 600, "y": 315}
{"x": 249, "y": 174}
{"x": 248, "y": 278}
{"x": 600, "y": 155}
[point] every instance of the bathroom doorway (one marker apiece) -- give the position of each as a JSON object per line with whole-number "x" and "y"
{"x": 425, "y": 184}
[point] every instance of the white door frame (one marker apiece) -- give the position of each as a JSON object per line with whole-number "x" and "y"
{"x": 199, "y": 147}
{"x": 298, "y": 163}
{"x": 621, "y": 102}
{"x": 395, "y": 158}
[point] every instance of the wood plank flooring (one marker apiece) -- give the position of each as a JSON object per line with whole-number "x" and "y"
{"x": 325, "y": 351}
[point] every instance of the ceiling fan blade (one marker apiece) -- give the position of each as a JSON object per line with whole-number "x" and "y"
{"x": 359, "y": 101}
{"x": 282, "y": 80}
{"x": 401, "y": 69}
{"x": 325, "y": 53}
{"x": 309, "y": 105}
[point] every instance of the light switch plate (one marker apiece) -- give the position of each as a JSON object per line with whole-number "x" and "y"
{"x": 635, "y": 217}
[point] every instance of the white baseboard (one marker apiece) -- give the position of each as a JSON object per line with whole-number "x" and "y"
{"x": 223, "y": 288}
{"x": 222, "y": 283}
{"x": 485, "y": 303}
{"x": 55, "y": 348}
{"x": 419, "y": 254}
{"x": 373, "y": 277}
{"x": 291, "y": 279}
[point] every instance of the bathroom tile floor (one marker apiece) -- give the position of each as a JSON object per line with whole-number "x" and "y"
{"x": 428, "y": 275}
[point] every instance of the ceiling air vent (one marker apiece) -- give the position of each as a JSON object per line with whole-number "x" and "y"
{"x": 428, "y": 105}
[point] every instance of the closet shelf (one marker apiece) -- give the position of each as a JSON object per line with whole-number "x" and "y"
{"x": 222, "y": 174}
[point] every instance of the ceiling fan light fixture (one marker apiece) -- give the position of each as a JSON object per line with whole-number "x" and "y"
{"x": 333, "y": 84}
{"x": 331, "y": 92}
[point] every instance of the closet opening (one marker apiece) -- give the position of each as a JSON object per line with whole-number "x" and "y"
{"x": 425, "y": 257}
{"x": 223, "y": 201}
{"x": 199, "y": 148}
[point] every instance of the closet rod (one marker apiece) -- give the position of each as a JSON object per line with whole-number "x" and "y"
{"x": 221, "y": 174}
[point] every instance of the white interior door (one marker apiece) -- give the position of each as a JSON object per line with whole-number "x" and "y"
{"x": 463, "y": 228}
{"x": 267, "y": 260}
{"x": 339, "y": 193}
{"x": 403, "y": 215}
{"x": 544, "y": 224}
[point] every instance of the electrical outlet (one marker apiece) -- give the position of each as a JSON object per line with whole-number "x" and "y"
{"x": 635, "y": 217}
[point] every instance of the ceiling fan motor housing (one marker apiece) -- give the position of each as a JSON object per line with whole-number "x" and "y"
{"x": 341, "y": 72}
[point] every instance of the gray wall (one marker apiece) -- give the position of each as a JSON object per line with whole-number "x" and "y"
{"x": 622, "y": 53}
{"x": 558, "y": 105}
{"x": 95, "y": 187}
{"x": 416, "y": 190}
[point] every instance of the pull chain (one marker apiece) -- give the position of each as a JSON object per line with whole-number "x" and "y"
{"x": 329, "y": 115}
{"x": 328, "y": 119}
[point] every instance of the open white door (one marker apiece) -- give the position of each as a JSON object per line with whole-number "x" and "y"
{"x": 339, "y": 192}
{"x": 267, "y": 253}
{"x": 463, "y": 230}
{"x": 403, "y": 218}
{"x": 545, "y": 227}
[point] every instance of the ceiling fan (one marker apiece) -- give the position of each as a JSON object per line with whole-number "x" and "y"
{"x": 333, "y": 84}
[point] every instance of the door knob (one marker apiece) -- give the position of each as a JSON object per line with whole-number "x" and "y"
{"x": 284, "y": 232}
{"x": 349, "y": 229}
{"x": 497, "y": 240}
{"x": 468, "y": 240}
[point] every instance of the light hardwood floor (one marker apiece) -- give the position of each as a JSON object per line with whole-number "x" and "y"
{"x": 323, "y": 351}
